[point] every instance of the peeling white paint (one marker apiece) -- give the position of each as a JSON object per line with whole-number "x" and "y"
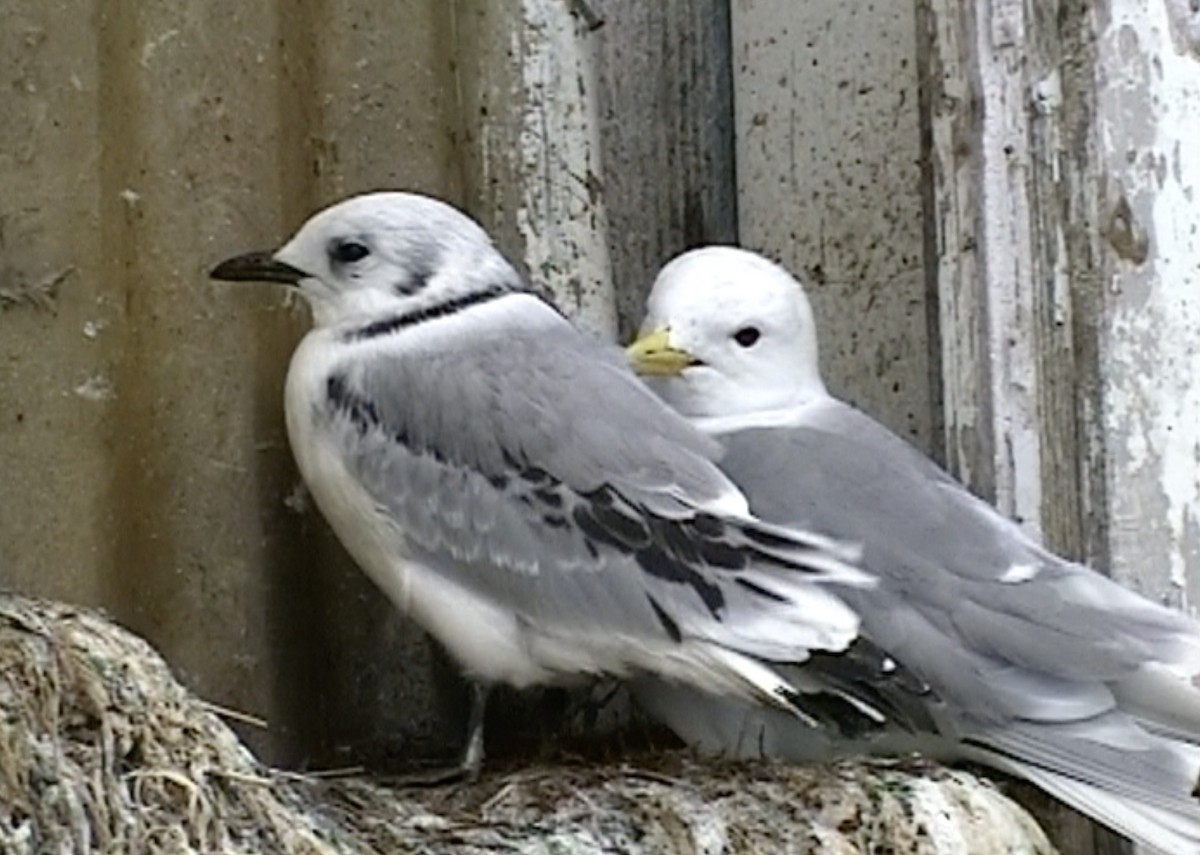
{"x": 298, "y": 500}
{"x": 1007, "y": 269}
{"x": 152, "y": 45}
{"x": 986, "y": 257}
{"x": 96, "y": 388}
{"x": 562, "y": 218}
{"x": 1047, "y": 93}
{"x": 1149, "y": 123}
{"x": 1184, "y": 16}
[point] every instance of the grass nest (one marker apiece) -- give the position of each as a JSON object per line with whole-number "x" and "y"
{"x": 101, "y": 750}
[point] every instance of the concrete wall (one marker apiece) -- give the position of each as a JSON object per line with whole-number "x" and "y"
{"x": 143, "y": 461}
{"x": 829, "y": 184}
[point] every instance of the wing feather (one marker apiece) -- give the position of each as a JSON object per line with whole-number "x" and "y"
{"x": 541, "y": 474}
{"x": 964, "y": 593}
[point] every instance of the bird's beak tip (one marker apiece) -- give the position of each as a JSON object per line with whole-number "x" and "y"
{"x": 256, "y": 267}
{"x": 653, "y": 356}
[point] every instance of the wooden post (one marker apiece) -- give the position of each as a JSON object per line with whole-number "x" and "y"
{"x": 1063, "y": 194}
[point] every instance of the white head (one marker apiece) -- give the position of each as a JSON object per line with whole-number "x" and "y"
{"x": 728, "y": 333}
{"x": 380, "y": 252}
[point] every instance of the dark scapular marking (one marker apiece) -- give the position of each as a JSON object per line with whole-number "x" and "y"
{"x": 535, "y": 475}
{"x": 655, "y": 561}
{"x": 593, "y": 531}
{"x": 762, "y": 540}
{"x": 791, "y": 697}
{"x": 668, "y": 623}
{"x": 769, "y": 539}
{"x": 758, "y": 589}
{"x": 719, "y": 553}
{"x": 360, "y": 410}
{"x": 620, "y": 529}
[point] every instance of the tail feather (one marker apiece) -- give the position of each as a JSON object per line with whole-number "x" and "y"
{"x": 1165, "y": 831}
{"x": 1136, "y": 782}
{"x": 759, "y": 682}
{"x": 1112, "y": 753}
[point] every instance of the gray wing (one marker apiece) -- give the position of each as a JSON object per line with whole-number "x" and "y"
{"x": 538, "y": 471}
{"x": 991, "y": 620}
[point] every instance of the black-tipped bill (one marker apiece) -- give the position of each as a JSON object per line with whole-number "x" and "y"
{"x": 256, "y": 267}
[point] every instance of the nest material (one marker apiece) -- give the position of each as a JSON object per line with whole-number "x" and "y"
{"x": 101, "y": 750}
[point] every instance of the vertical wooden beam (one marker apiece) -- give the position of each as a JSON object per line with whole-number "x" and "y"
{"x": 666, "y": 100}
{"x": 991, "y": 169}
{"x": 1147, "y": 172}
{"x": 599, "y": 140}
{"x": 1062, "y": 207}
{"x": 534, "y": 169}
{"x": 977, "y": 169}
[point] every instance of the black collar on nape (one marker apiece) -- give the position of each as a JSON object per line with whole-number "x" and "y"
{"x": 394, "y": 323}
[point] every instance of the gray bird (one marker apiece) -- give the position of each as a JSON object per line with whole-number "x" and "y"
{"x": 1036, "y": 665}
{"x": 513, "y": 487}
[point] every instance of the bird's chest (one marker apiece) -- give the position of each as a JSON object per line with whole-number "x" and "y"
{"x": 484, "y": 636}
{"x": 367, "y": 533}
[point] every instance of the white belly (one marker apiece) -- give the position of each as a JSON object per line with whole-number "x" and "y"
{"x": 486, "y": 639}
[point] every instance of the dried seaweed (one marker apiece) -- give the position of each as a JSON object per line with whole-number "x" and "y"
{"x": 101, "y": 750}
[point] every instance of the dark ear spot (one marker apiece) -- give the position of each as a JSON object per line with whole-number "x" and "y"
{"x": 419, "y": 268}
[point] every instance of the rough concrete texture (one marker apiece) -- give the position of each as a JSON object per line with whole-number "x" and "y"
{"x": 103, "y": 751}
{"x": 142, "y": 435}
{"x": 143, "y": 461}
{"x": 828, "y": 152}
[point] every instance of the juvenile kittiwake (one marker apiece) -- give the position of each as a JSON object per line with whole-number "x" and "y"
{"x": 1037, "y": 666}
{"x": 513, "y": 487}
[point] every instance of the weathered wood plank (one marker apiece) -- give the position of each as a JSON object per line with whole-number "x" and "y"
{"x": 666, "y": 100}
{"x": 1060, "y": 186}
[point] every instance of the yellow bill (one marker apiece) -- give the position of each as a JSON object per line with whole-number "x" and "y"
{"x": 652, "y": 355}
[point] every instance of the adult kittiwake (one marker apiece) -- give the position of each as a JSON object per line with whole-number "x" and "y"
{"x": 1036, "y": 665}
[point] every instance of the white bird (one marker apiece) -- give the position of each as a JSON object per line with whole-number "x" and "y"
{"x": 1038, "y": 666}
{"x": 513, "y": 487}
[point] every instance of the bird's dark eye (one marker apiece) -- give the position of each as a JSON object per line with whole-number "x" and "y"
{"x": 348, "y": 251}
{"x": 747, "y": 336}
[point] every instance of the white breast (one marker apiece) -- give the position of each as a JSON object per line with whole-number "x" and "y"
{"x": 485, "y": 639}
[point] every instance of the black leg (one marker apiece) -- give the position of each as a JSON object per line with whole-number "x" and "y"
{"x": 471, "y": 762}
{"x": 472, "y": 759}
